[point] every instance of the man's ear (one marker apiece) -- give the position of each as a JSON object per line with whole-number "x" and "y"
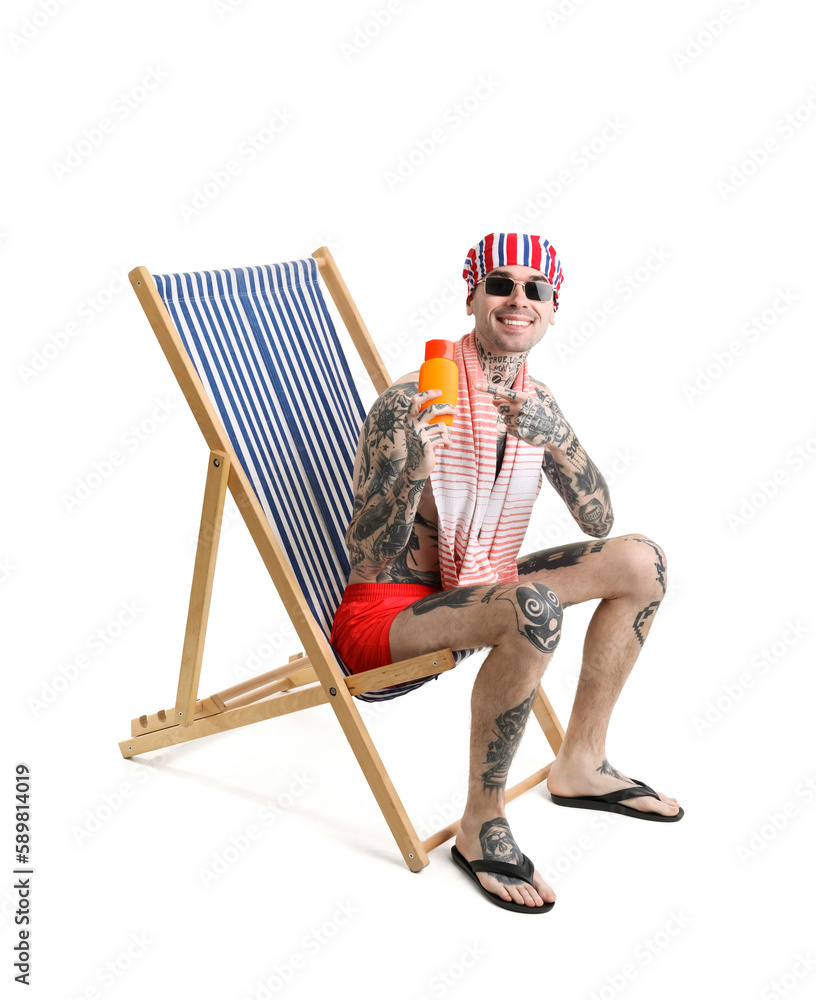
{"x": 469, "y": 307}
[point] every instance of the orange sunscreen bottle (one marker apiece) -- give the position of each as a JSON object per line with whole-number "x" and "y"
{"x": 439, "y": 371}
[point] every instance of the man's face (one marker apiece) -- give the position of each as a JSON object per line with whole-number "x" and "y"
{"x": 510, "y": 324}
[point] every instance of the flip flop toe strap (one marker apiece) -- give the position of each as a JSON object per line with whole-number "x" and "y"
{"x": 641, "y": 788}
{"x": 524, "y": 871}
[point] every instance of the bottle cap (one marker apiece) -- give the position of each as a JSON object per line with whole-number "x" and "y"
{"x": 439, "y": 349}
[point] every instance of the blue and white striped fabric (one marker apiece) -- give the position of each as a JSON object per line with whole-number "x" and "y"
{"x": 265, "y": 348}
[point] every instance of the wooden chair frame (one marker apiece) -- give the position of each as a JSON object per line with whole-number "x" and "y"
{"x": 310, "y": 678}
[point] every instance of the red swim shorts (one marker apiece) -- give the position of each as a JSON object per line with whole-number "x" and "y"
{"x": 363, "y": 620}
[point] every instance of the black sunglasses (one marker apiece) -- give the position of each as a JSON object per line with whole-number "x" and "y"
{"x": 536, "y": 289}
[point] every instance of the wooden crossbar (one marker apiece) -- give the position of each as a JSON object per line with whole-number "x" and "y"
{"x": 439, "y": 838}
{"x": 165, "y": 718}
{"x": 296, "y": 679}
{"x": 251, "y": 683}
{"x": 372, "y": 680}
{"x": 223, "y": 721}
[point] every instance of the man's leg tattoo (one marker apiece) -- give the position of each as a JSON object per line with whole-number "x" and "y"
{"x": 606, "y": 768}
{"x": 539, "y": 607}
{"x": 567, "y": 555}
{"x": 542, "y": 611}
{"x": 508, "y": 732}
{"x": 641, "y": 619}
{"x": 459, "y": 597}
{"x": 660, "y": 566}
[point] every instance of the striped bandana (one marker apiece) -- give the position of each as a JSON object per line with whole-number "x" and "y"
{"x": 482, "y": 519}
{"x": 499, "y": 249}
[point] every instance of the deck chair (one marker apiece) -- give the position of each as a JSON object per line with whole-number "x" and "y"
{"x": 243, "y": 343}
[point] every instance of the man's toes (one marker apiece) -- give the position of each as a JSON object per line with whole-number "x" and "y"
{"x": 520, "y": 893}
{"x": 648, "y": 804}
{"x": 530, "y": 895}
{"x": 545, "y": 891}
{"x": 500, "y": 889}
{"x": 524, "y": 895}
{"x": 672, "y": 805}
{"x": 517, "y": 894}
{"x": 668, "y": 808}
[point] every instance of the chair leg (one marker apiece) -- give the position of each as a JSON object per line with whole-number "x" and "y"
{"x": 408, "y": 842}
{"x": 548, "y": 721}
{"x": 201, "y": 591}
{"x": 363, "y": 748}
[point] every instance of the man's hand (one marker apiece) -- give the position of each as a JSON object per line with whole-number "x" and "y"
{"x": 422, "y": 438}
{"x": 529, "y": 417}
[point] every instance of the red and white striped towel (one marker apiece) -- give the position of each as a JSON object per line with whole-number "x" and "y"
{"x": 482, "y": 519}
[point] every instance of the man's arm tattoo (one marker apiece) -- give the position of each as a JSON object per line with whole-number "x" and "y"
{"x": 577, "y": 479}
{"x": 386, "y": 497}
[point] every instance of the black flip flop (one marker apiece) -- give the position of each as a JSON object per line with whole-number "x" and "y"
{"x": 523, "y": 872}
{"x": 611, "y": 802}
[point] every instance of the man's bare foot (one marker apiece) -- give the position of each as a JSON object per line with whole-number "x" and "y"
{"x": 491, "y": 840}
{"x": 572, "y": 777}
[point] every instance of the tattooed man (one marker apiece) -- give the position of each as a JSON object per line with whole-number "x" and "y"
{"x": 395, "y": 606}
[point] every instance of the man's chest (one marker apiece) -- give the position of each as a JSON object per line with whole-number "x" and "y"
{"x": 427, "y": 502}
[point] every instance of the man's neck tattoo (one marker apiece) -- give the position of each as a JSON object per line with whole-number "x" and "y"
{"x": 499, "y": 369}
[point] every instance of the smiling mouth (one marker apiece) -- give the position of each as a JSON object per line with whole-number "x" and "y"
{"x": 515, "y": 324}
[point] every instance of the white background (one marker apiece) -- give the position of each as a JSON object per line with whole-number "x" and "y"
{"x": 717, "y": 905}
